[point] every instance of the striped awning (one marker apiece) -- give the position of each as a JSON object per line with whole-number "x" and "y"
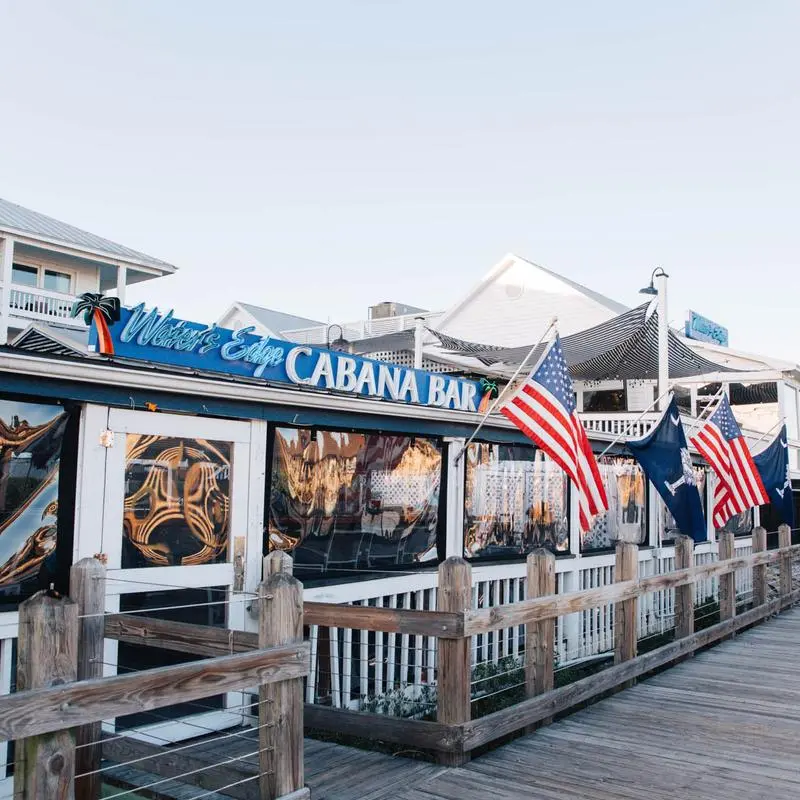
{"x": 624, "y": 348}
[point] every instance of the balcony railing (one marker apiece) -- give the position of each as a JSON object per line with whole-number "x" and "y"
{"x": 39, "y": 304}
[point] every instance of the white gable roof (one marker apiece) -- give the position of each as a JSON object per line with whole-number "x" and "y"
{"x": 516, "y": 300}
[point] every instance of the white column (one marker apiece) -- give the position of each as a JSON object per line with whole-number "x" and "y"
{"x": 455, "y": 498}
{"x": 419, "y": 332}
{"x": 122, "y": 280}
{"x": 663, "y": 341}
{"x": 6, "y": 261}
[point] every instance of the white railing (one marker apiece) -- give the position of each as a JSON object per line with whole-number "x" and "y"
{"x": 363, "y": 329}
{"x": 43, "y": 305}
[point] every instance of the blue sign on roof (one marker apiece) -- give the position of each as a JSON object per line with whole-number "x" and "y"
{"x": 160, "y": 338}
{"x": 702, "y": 329}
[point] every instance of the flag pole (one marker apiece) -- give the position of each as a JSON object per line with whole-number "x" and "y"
{"x": 706, "y": 410}
{"x": 764, "y": 435}
{"x": 505, "y": 389}
{"x": 631, "y": 424}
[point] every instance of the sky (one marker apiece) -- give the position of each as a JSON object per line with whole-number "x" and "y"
{"x": 318, "y": 157}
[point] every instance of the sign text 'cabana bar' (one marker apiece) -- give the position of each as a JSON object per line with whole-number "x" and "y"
{"x": 150, "y": 335}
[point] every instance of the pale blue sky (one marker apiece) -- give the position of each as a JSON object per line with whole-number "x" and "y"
{"x": 320, "y": 156}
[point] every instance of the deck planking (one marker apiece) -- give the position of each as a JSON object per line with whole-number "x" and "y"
{"x": 723, "y": 724}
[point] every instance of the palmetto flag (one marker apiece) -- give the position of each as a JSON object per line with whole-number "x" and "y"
{"x": 773, "y": 467}
{"x": 543, "y": 408}
{"x": 721, "y": 443}
{"x": 664, "y": 456}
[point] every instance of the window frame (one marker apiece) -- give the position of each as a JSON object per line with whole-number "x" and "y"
{"x": 41, "y": 268}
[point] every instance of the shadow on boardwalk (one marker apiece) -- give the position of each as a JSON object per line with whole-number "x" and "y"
{"x": 724, "y": 725}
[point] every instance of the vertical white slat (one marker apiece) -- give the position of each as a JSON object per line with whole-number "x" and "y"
{"x": 495, "y": 633}
{"x": 514, "y": 582}
{"x": 347, "y": 665}
{"x": 379, "y": 655}
{"x": 432, "y": 644}
{"x": 475, "y": 637}
{"x": 509, "y": 632}
{"x": 391, "y": 651}
{"x": 419, "y": 641}
{"x": 311, "y": 680}
{"x": 336, "y": 691}
{"x": 363, "y": 662}
{"x": 404, "y": 644}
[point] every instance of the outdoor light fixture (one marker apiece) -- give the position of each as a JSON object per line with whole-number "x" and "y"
{"x": 651, "y": 289}
{"x": 339, "y": 341}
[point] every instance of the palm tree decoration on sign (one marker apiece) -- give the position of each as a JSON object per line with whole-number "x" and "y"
{"x": 489, "y": 391}
{"x": 102, "y": 310}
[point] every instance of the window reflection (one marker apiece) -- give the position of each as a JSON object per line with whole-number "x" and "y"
{"x": 626, "y": 518}
{"x": 667, "y": 526}
{"x": 515, "y": 500}
{"x": 342, "y": 501}
{"x": 31, "y": 437}
{"x": 177, "y": 501}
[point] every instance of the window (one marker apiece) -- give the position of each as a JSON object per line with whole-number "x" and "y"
{"x": 626, "y": 518}
{"x": 342, "y": 501}
{"x": 31, "y": 437}
{"x": 24, "y": 275}
{"x": 789, "y": 397}
{"x": 667, "y": 526}
{"x": 602, "y": 400}
{"x": 57, "y": 281}
{"x": 515, "y": 500}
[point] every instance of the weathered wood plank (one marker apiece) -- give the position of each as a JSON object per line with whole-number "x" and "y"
{"x": 727, "y": 582}
{"x": 47, "y": 656}
{"x": 445, "y": 625}
{"x": 171, "y": 762}
{"x": 38, "y": 711}
{"x": 280, "y": 710}
{"x": 540, "y": 636}
{"x": 87, "y": 588}
{"x": 454, "y": 673}
{"x": 493, "y": 726}
{"x": 684, "y": 595}
{"x": 180, "y": 636}
{"x": 626, "y": 569}
{"x": 784, "y": 543}
{"x": 759, "y": 570}
{"x": 421, "y": 734}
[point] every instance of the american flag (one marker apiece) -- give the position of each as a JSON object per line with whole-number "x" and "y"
{"x": 543, "y": 408}
{"x": 739, "y": 485}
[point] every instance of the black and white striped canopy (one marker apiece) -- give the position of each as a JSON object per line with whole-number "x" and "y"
{"x": 625, "y": 348}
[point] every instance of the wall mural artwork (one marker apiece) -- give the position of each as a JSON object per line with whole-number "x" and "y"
{"x": 344, "y": 501}
{"x": 31, "y": 437}
{"x": 177, "y": 501}
{"x": 626, "y": 518}
{"x": 515, "y": 500}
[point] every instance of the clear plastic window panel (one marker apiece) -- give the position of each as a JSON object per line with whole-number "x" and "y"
{"x": 342, "y": 501}
{"x": 515, "y": 500}
{"x": 668, "y": 528}
{"x": 626, "y": 518}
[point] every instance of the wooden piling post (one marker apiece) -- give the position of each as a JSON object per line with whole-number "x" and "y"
{"x": 760, "y": 570}
{"x": 277, "y": 561}
{"x": 47, "y": 655}
{"x": 727, "y": 582}
{"x": 684, "y": 595}
{"x": 626, "y": 569}
{"x": 280, "y": 709}
{"x": 540, "y": 636}
{"x": 454, "y": 674}
{"x": 785, "y": 540}
{"x": 87, "y": 589}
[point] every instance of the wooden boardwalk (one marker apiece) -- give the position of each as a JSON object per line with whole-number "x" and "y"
{"x": 725, "y": 724}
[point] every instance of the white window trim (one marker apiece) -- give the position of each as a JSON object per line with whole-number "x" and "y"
{"x": 40, "y": 268}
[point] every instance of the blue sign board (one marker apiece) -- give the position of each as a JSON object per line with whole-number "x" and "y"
{"x": 702, "y": 329}
{"x": 158, "y": 337}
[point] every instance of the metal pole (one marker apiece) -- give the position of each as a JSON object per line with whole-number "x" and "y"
{"x": 505, "y": 389}
{"x": 706, "y": 410}
{"x": 419, "y": 332}
{"x": 764, "y": 435}
{"x": 631, "y": 424}
{"x": 663, "y": 340}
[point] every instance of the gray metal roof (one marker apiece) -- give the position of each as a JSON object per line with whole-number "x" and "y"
{"x": 277, "y": 321}
{"x": 17, "y": 219}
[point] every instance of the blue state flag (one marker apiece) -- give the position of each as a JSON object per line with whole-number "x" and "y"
{"x": 773, "y": 466}
{"x": 664, "y": 456}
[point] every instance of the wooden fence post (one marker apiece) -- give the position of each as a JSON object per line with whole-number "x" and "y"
{"x": 785, "y": 540}
{"x": 684, "y": 595}
{"x": 727, "y": 582}
{"x": 280, "y": 709}
{"x": 626, "y": 569}
{"x": 540, "y": 636}
{"x": 47, "y": 655}
{"x": 87, "y": 589}
{"x": 277, "y": 561}
{"x": 454, "y": 674}
{"x": 760, "y": 570}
